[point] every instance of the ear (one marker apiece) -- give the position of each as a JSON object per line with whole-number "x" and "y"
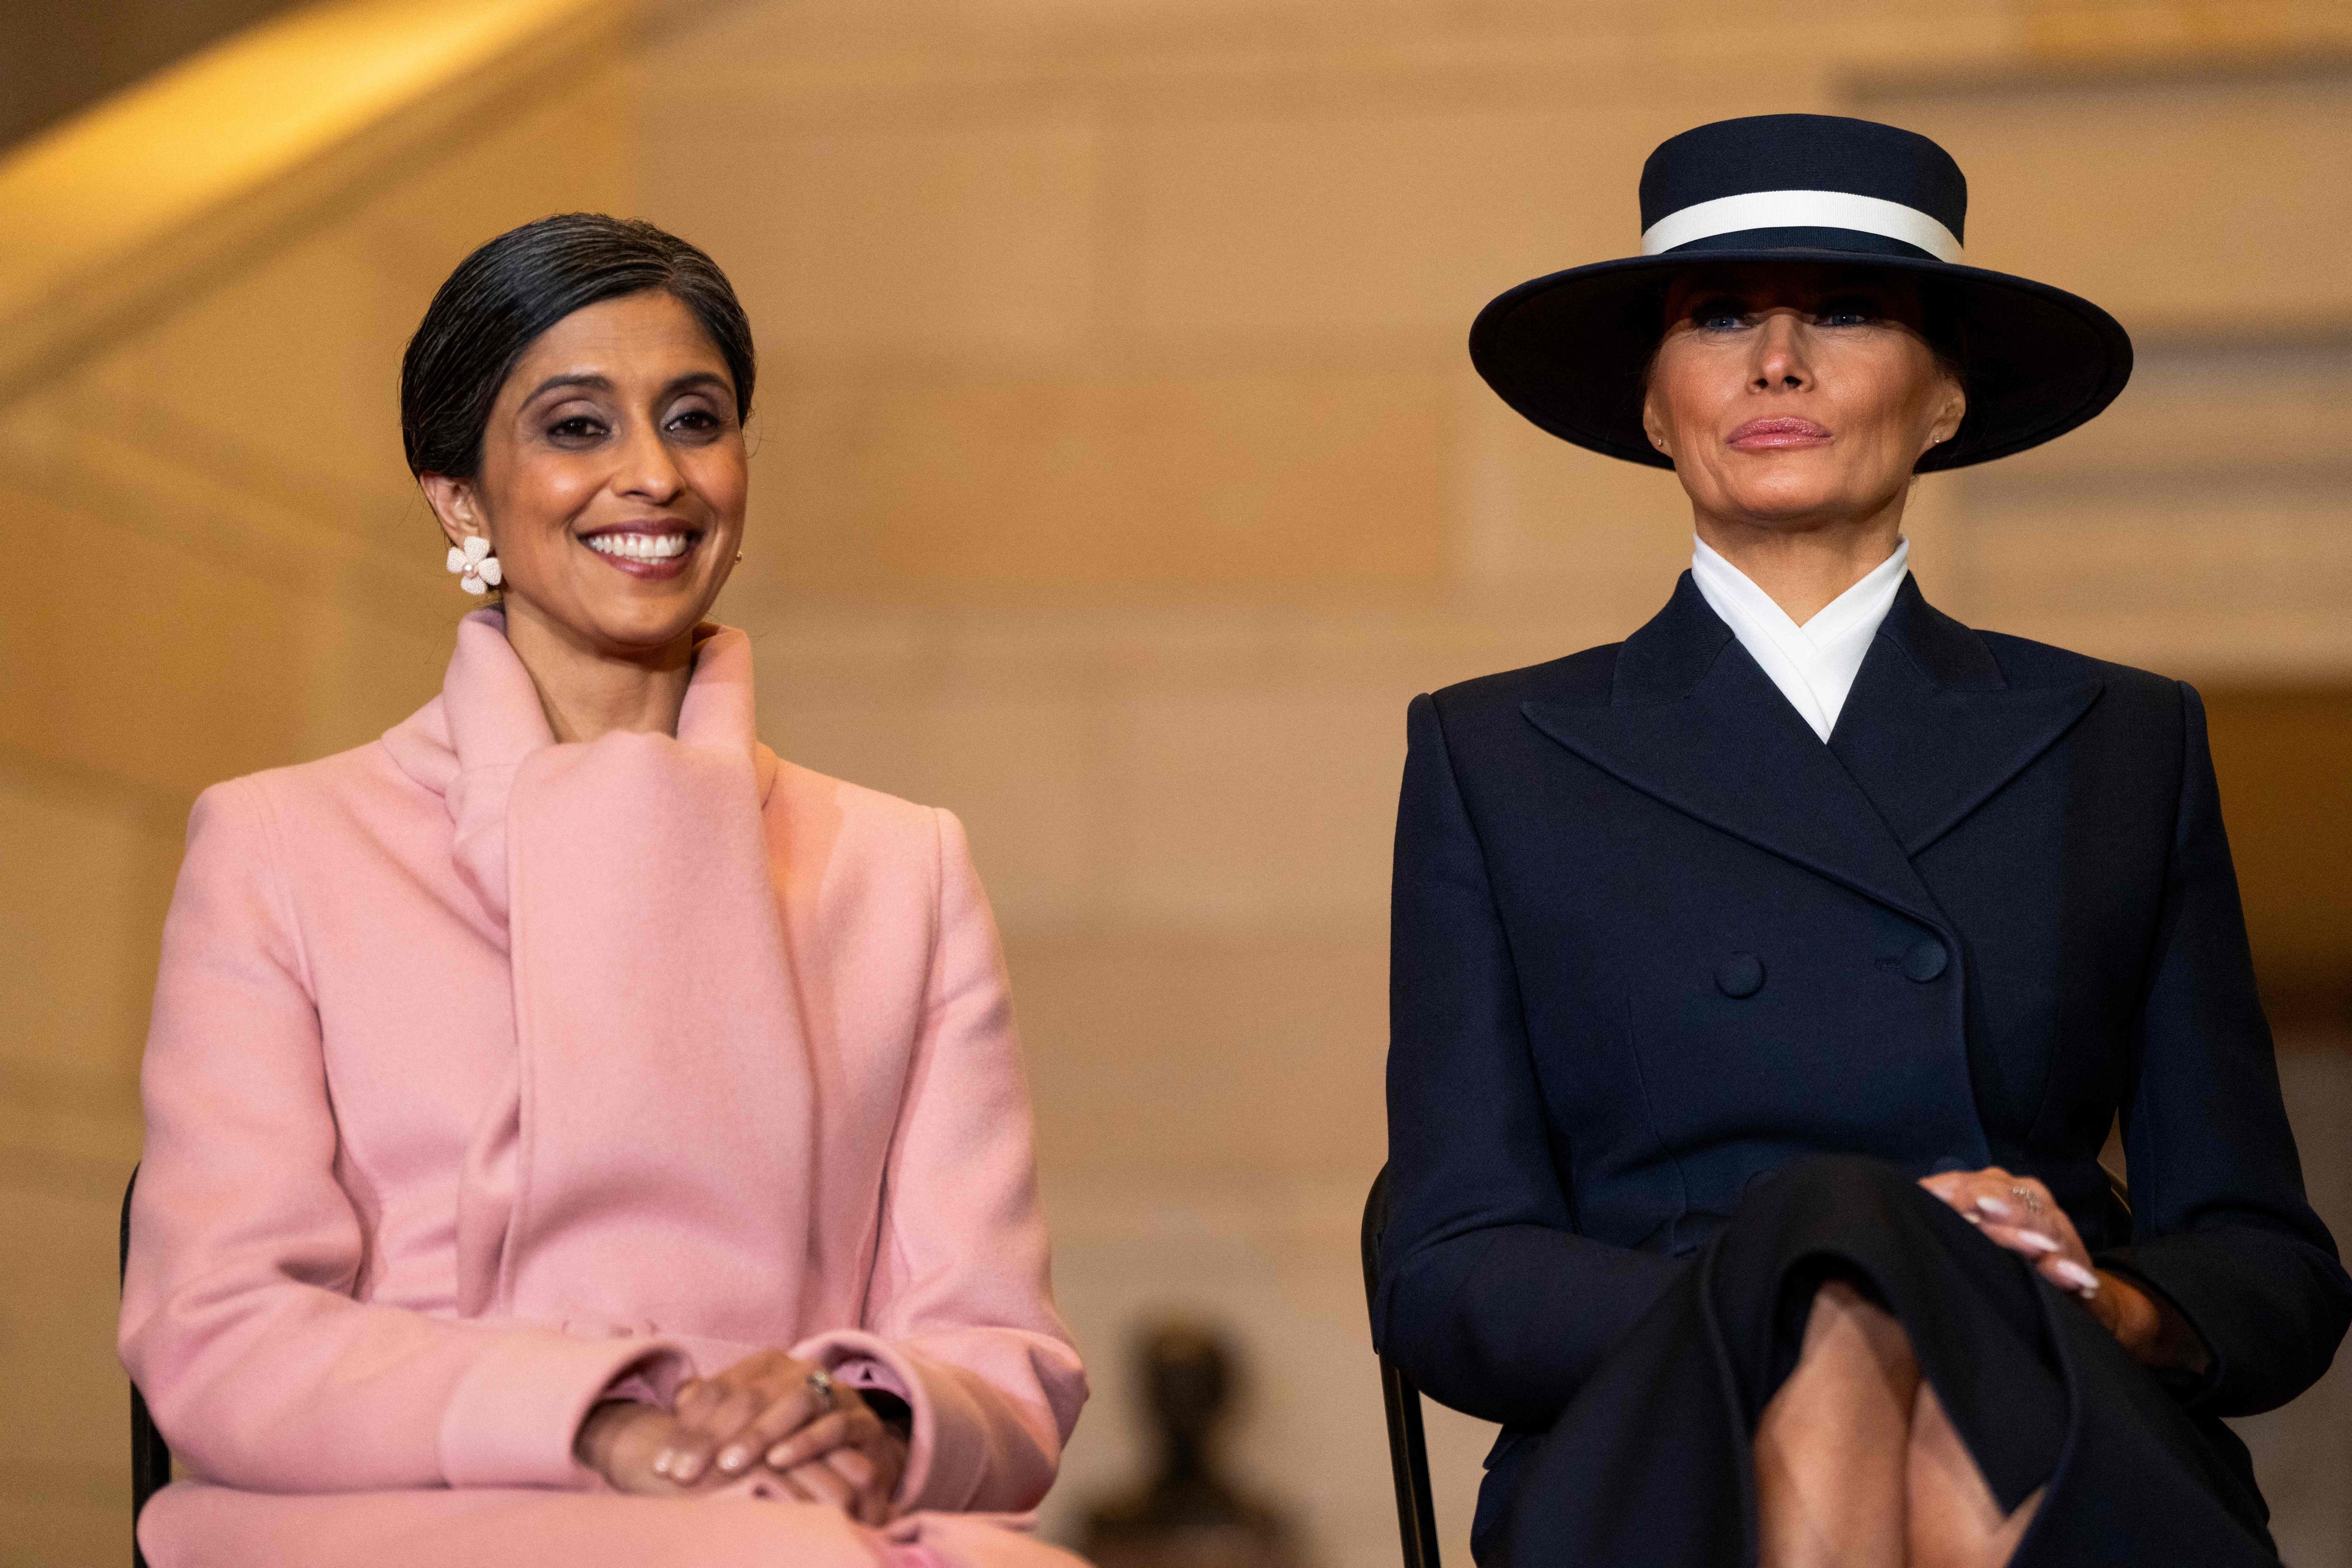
{"x": 1653, "y": 427}
{"x": 455, "y": 507}
{"x": 1951, "y": 408}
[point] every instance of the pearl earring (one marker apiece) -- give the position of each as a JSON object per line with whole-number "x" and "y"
{"x": 477, "y": 568}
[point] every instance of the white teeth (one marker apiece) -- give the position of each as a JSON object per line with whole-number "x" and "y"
{"x": 639, "y": 547}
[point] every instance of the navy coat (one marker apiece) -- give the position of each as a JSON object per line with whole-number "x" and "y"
{"x": 1653, "y": 939}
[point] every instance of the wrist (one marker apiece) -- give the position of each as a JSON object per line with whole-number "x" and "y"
{"x": 897, "y": 1417}
{"x": 2129, "y": 1315}
{"x": 2150, "y": 1329}
{"x": 592, "y": 1443}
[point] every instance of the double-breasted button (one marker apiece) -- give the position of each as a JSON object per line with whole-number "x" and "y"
{"x": 1925, "y": 960}
{"x": 1740, "y": 976}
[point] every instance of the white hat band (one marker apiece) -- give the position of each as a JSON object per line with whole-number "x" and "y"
{"x": 1801, "y": 210}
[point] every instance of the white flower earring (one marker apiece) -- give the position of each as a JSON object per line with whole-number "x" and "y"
{"x": 478, "y": 570}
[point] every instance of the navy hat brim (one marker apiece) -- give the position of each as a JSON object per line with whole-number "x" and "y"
{"x": 1569, "y": 350}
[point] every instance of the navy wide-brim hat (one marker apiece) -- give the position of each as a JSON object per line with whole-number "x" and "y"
{"x": 1569, "y": 350}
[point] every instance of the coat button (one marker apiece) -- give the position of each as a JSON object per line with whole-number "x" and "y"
{"x": 1741, "y": 976}
{"x": 1925, "y": 960}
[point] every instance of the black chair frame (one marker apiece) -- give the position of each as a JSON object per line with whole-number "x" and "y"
{"x": 1408, "y": 1444}
{"x": 151, "y": 1457}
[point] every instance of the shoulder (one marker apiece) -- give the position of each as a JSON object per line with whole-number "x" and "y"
{"x": 854, "y": 823}
{"x": 1579, "y": 678}
{"x": 2124, "y": 693}
{"x": 882, "y": 864}
{"x": 349, "y": 791}
{"x": 1471, "y": 707}
{"x": 803, "y": 792}
{"x": 256, "y": 842}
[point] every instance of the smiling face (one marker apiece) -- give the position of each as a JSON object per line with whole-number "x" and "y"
{"x": 611, "y": 480}
{"x": 1797, "y": 396}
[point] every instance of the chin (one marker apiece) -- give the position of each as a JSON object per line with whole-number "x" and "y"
{"x": 1777, "y": 505}
{"x": 639, "y": 623}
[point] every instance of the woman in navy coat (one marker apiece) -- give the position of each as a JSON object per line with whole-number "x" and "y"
{"x": 1765, "y": 985}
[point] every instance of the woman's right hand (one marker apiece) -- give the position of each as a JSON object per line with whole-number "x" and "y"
{"x": 620, "y": 1441}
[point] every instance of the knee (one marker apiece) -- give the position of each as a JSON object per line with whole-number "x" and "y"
{"x": 1842, "y": 1310}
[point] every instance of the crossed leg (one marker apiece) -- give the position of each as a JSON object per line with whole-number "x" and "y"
{"x": 1857, "y": 1466}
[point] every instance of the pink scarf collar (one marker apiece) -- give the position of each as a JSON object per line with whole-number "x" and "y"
{"x": 650, "y": 1160}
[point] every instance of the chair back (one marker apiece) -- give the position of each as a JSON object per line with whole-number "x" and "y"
{"x": 151, "y": 1457}
{"x": 1408, "y": 1444}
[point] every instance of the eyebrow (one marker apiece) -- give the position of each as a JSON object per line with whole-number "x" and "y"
{"x": 596, "y": 382}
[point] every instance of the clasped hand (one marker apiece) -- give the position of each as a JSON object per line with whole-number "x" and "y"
{"x": 761, "y": 1411}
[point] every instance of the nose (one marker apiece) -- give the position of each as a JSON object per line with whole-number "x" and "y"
{"x": 1783, "y": 348}
{"x": 647, "y": 472}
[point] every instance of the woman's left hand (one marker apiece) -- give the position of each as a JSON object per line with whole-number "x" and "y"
{"x": 2018, "y": 1212}
{"x": 848, "y": 1459}
{"x": 823, "y": 1441}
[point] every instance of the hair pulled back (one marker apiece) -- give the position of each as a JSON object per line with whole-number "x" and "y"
{"x": 502, "y": 297}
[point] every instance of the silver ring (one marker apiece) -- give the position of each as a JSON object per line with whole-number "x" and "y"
{"x": 820, "y": 1384}
{"x": 2025, "y": 1195}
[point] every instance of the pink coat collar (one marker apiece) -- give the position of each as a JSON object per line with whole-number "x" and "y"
{"x": 465, "y": 743}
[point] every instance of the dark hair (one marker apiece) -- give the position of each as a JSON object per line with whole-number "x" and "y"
{"x": 502, "y": 297}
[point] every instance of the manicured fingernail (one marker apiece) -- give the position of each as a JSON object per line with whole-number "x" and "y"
{"x": 2039, "y": 1243}
{"x": 734, "y": 1458}
{"x": 663, "y": 1461}
{"x": 779, "y": 1455}
{"x": 1972, "y": 1220}
{"x": 1994, "y": 1206}
{"x": 686, "y": 1467}
{"x": 2074, "y": 1274}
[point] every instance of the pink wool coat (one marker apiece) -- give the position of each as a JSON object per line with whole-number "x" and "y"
{"x": 488, "y": 1075}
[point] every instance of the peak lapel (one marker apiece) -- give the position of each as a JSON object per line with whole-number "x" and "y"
{"x": 1933, "y": 729}
{"x": 1692, "y": 722}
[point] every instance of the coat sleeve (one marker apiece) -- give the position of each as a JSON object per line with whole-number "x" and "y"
{"x": 2220, "y": 1223}
{"x": 1488, "y": 1297}
{"x": 960, "y": 1318}
{"x": 238, "y": 1318}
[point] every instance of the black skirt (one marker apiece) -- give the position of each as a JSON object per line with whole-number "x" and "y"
{"x": 1650, "y": 1463}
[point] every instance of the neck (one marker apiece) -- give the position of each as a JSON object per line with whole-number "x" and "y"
{"x": 588, "y": 692}
{"x": 1805, "y": 563}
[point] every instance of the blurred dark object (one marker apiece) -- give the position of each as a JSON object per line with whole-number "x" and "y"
{"x": 1408, "y": 1442}
{"x": 151, "y": 1457}
{"x": 2283, "y": 755}
{"x": 1189, "y": 1515}
{"x": 60, "y": 58}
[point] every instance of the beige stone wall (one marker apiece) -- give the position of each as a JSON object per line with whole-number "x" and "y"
{"x": 1120, "y": 476}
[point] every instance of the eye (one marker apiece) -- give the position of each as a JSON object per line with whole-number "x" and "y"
{"x": 1849, "y": 313}
{"x": 578, "y": 430}
{"x": 1723, "y": 314}
{"x": 695, "y": 421}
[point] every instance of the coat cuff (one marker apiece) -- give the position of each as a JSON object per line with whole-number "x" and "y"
{"x": 948, "y": 1451}
{"x": 2148, "y": 1265}
{"x": 512, "y": 1418}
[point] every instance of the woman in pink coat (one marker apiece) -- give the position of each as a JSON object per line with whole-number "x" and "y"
{"x": 575, "y": 1134}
